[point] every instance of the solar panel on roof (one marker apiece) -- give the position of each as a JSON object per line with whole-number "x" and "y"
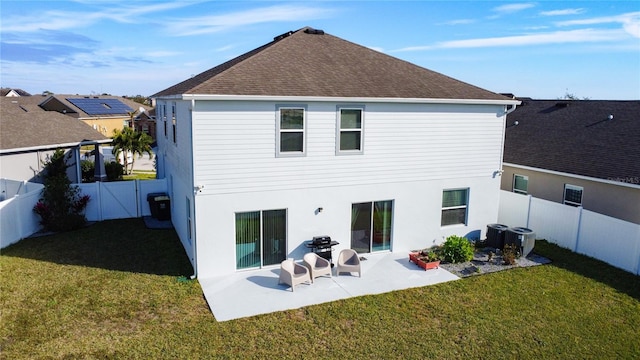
{"x": 97, "y": 106}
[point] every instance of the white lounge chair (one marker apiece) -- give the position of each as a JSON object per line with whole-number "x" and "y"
{"x": 317, "y": 265}
{"x": 293, "y": 274}
{"x": 348, "y": 261}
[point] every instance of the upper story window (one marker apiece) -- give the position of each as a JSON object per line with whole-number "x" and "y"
{"x": 291, "y": 126}
{"x": 350, "y": 130}
{"x": 572, "y": 195}
{"x": 454, "y": 207}
{"x": 520, "y": 184}
{"x": 164, "y": 118}
{"x": 174, "y": 121}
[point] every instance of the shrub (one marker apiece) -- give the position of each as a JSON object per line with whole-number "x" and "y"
{"x": 88, "y": 171}
{"x": 457, "y": 249}
{"x": 114, "y": 170}
{"x": 61, "y": 205}
{"x": 509, "y": 254}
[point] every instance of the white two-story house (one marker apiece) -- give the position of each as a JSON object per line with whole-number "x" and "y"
{"x": 313, "y": 135}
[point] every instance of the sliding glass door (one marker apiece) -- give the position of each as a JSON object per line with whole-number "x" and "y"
{"x": 261, "y": 238}
{"x": 371, "y": 225}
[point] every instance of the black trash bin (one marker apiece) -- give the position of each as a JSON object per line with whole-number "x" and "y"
{"x": 159, "y": 204}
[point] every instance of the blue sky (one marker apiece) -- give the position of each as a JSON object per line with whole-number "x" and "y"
{"x": 541, "y": 49}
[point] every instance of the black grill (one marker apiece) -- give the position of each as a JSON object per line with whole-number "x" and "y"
{"x": 322, "y": 245}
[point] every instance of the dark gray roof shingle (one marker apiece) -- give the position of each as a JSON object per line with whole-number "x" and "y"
{"x": 302, "y": 64}
{"x": 24, "y": 124}
{"x": 576, "y": 137}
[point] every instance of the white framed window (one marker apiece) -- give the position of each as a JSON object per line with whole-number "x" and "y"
{"x": 454, "y": 207}
{"x": 291, "y": 130}
{"x": 350, "y": 130}
{"x": 572, "y": 195}
{"x": 520, "y": 184}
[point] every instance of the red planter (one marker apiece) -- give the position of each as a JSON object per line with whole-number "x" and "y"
{"x": 413, "y": 257}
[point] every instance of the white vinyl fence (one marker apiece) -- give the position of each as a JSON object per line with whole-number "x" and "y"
{"x": 17, "y": 219}
{"x": 612, "y": 240}
{"x": 109, "y": 200}
{"x": 120, "y": 199}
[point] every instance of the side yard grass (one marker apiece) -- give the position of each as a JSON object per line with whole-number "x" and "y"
{"x": 118, "y": 290}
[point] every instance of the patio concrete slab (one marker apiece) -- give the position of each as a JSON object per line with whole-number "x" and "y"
{"x": 249, "y": 293}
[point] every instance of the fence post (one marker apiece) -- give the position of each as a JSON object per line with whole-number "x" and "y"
{"x": 529, "y": 197}
{"x": 578, "y": 226}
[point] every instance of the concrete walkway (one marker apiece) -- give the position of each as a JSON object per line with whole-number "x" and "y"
{"x": 249, "y": 293}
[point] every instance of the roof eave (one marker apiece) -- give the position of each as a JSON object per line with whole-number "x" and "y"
{"x": 218, "y": 97}
{"x": 576, "y": 176}
{"x": 54, "y": 146}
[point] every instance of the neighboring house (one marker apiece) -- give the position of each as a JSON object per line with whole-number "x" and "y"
{"x": 145, "y": 122}
{"x": 13, "y": 92}
{"x": 313, "y": 135}
{"x": 577, "y": 152}
{"x": 29, "y": 134}
{"x": 104, "y": 113}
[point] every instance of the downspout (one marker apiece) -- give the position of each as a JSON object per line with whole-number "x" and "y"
{"x": 194, "y": 233}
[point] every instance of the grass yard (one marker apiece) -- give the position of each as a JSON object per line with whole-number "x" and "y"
{"x": 140, "y": 175}
{"x": 118, "y": 290}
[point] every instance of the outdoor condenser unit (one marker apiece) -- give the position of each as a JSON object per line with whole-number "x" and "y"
{"x": 495, "y": 235}
{"x": 523, "y": 238}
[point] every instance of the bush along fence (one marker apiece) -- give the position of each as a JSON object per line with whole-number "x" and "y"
{"x": 108, "y": 200}
{"x": 611, "y": 240}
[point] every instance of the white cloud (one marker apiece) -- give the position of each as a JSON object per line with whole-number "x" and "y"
{"x": 216, "y": 23}
{"x": 630, "y": 22}
{"x": 60, "y": 20}
{"x": 459, "y": 22}
{"x": 562, "y": 12}
{"x": 557, "y": 37}
{"x": 512, "y": 8}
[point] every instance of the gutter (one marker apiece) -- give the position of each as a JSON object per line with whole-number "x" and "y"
{"x": 342, "y": 99}
{"x": 53, "y": 146}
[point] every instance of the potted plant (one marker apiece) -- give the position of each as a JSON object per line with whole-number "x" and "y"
{"x": 426, "y": 259}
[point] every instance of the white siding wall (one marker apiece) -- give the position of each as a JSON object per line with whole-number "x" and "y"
{"x": 411, "y": 153}
{"x": 235, "y": 146}
{"x": 175, "y": 164}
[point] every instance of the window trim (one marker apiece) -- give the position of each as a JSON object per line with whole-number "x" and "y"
{"x": 279, "y": 130}
{"x": 575, "y": 188}
{"x": 339, "y": 129}
{"x": 466, "y": 207}
{"x": 513, "y": 185}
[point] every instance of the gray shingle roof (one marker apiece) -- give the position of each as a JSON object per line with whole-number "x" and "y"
{"x": 23, "y": 124}
{"x": 576, "y": 137}
{"x": 304, "y": 64}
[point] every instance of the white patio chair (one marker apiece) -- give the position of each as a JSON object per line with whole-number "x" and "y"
{"x": 293, "y": 274}
{"x": 348, "y": 261}
{"x": 317, "y": 265}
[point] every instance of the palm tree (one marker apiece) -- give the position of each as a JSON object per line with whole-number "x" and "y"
{"x": 128, "y": 141}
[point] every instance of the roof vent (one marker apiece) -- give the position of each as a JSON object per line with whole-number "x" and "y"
{"x": 562, "y": 104}
{"x": 313, "y": 31}
{"x": 280, "y": 37}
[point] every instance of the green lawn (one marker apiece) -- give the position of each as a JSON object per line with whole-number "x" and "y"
{"x": 117, "y": 290}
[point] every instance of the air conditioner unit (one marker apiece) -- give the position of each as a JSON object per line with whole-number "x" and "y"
{"x": 495, "y": 235}
{"x": 523, "y": 238}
